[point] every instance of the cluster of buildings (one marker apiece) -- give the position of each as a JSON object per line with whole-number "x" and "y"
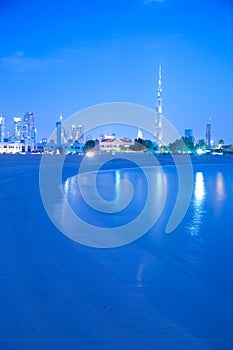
{"x": 66, "y": 141}
{"x": 23, "y": 138}
{"x": 208, "y": 141}
{"x": 73, "y": 142}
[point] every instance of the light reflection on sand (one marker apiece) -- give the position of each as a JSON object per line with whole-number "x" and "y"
{"x": 139, "y": 275}
{"x": 220, "y": 193}
{"x": 198, "y": 204}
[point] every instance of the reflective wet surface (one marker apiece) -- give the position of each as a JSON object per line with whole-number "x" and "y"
{"x": 163, "y": 291}
{"x": 185, "y": 277}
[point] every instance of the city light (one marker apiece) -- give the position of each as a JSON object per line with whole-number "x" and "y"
{"x": 200, "y": 151}
{"x": 90, "y": 154}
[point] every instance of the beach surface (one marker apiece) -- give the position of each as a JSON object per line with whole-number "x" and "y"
{"x": 159, "y": 292}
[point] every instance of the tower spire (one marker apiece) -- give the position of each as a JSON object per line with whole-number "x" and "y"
{"x": 158, "y": 118}
{"x": 159, "y": 100}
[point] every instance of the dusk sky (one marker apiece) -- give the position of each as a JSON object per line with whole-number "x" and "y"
{"x": 63, "y": 56}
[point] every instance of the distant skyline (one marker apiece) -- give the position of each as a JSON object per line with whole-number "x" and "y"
{"x": 65, "y": 56}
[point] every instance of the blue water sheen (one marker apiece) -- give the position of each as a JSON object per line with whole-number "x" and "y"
{"x": 187, "y": 274}
{"x": 199, "y": 260}
{"x": 163, "y": 291}
{"x": 109, "y": 185}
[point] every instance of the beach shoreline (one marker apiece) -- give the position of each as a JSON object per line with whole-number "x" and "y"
{"x": 101, "y": 162}
{"x": 146, "y": 158}
{"x": 152, "y": 293}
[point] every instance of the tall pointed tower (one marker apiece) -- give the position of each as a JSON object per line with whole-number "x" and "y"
{"x": 158, "y": 117}
{"x": 208, "y": 136}
{"x": 59, "y": 131}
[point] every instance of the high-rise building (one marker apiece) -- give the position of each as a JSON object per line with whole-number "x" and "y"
{"x": 28, "y": 129}
{"x": 17, "y": 129}
{"x": 2, "y": 126}
{"x": 80, "y": 133}
{"x": 76, "y": 133}
{"x": 58, "y": 127}
{"x": 188, "y": 133}
{"x": 139, "y": 135}
{"x": 59, "y": 131}
{"x": 73, "y": 132}
{"x": 158, "y": 117}
{"x": 208, "y": 136}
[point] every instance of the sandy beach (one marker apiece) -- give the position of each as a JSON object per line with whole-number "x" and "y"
{"x": 159, "y": 292}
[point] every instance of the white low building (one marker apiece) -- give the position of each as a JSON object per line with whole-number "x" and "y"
{"x": 114, "y": 144}
{"x": 12, "y": 148}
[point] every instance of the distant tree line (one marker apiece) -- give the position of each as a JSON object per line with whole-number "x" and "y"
{"x": 182, "y": 145}
{"x": 186, "y": 145}
{"x": 90, "y": 144}
{"x": 141, "y": 145}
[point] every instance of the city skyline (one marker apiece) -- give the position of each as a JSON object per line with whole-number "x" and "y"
{"x": 77, "y": 55}
{"x": 25, "y": 131}
{"x": 19, "y": 131}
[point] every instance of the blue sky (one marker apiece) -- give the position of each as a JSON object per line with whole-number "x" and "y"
{"x": 65, "y": 56}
